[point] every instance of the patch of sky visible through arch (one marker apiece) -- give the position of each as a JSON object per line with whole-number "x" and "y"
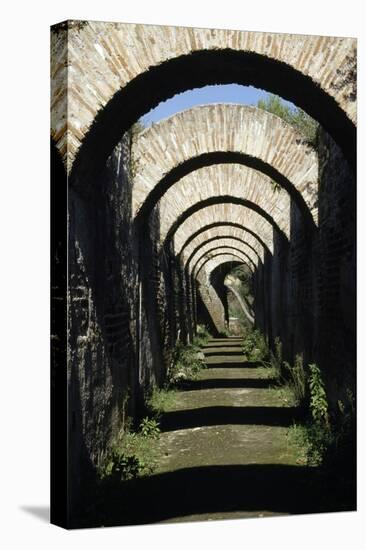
{"x": 222, "y": 93}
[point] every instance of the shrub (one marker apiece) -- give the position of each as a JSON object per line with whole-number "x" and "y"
{"x": 160, "y": 400}
{"x": 322, "y": 440}
{"x": 255, "y": 347}
{"x": 149, "y": 427}
{"x": 131, "y": 455}
{"x": 300, "y": 120}
{"x": 318, "y": 397}
{"x": 276, "y": 361}
{"x": 297, "y": 379}
{"x": 186, "y": 364}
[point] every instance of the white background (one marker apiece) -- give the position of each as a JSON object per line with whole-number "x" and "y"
{"x": 24, "y": 272}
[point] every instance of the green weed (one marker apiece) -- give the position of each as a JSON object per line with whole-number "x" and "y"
{"x": 255, "y": 347}
{"x": 131, "y": 455}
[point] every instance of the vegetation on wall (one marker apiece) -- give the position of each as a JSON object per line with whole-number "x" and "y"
{"x": 300, "y": 120}
{"x": 324, "y": 438}
{"x": 131, "y": 454}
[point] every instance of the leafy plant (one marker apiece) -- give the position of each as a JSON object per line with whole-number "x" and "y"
{"x": 300, "y": 120}
{"x": 160, "y": 400}
{"x": 276, "y": 360}
{"x": 276, "y": 186}
{"x": 255, "y": 347}
{"x": 187, "y": 363}
{"x": 149, "y": 427}
{"x": 131, "y": 455}
{"x": 123, "y": 466}
{"x": 297, "y": 379}
{"x": 318, "y": 397}
{"x": 202, "y": 336}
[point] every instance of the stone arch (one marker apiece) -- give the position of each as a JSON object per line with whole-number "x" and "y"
{"x": 117, "y": 64}
{"x": 225, "y": 179}
{"x": 206, "y": 239}
{"x": 224, "y": 213}
{"x": 218, "y": 227}
{"x": 212, "y": 134}
{"x": 214, "y": 261}
{"x": 222, "y": 243}
{"x": 212, "y": 200}
{"x": 218, "y": 251}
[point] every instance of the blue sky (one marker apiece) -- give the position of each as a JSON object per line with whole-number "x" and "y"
{"x": 224, "y": 93}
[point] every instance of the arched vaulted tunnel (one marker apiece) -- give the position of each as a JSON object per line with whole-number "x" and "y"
{"x": 160, "y": 216}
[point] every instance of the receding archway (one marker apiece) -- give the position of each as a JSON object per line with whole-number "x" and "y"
{"x": 202, "y": 262}
{"x": 219, "y": 225}
{"x": 221, "y": 238}
{"x": 230, "y": 244}
{"x": 239, "y": 134}
{"x": 220, "y": 200}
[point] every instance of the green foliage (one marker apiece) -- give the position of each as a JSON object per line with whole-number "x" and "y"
{"x": 187, "y": 363}
{"x": 160, "y": 400}
{"x": 297, "y": 379}
{"x": 255, "y": 347}
{"x": 297, "y": 436}
{"x": 274, "y": 104}
{"x": 300, "y": 120}
{"x": 276, "y": 360}
{"x": 149, "y": 427}
{"x": 315, "y": 436}
{"x": 318, "y": 397}
{"x": 202, "y": 336}
{"x": 276, "y": 186}
{"x": 286, "y": 395}
{"x": 323, "y": 441}
{"x": 341, "y": 453}
{"x": 131, "y": 455}
{"x": 313, "y": 441}
{"x": 123, "y": 467}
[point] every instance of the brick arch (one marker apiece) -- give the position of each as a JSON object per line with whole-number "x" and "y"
{"x": 117, "y": 63}
{"x": 214, "y": 134}
{"x": 217, "y": 228}
{"x": 220, "y": 241}
{"x": 228, "y": 213}
{"x": 221, "y": 249}
{"x": 212, "y": 200}
{"x": 229, "y": 266}
{"x": 225, "y": 179}
{"x": 217, "y": 259}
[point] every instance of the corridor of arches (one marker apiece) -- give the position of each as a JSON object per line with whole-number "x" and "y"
{"x": 222, "y": 218}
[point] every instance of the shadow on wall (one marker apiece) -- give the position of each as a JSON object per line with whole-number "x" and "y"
{"x": 203, "y": 315}
{"x": 306, "y": 292}
{"x": 102, "y": 304}
{"x": 158, "y": 332}
{"x": 335, "y": 345}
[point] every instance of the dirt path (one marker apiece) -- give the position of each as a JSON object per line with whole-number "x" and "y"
{"x": 230, "y": 419}
{"x": 223, "y": 453}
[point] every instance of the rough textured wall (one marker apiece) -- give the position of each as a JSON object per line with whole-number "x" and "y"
{"x": 311, "y": 280}
{"x": 102, "y": 313}
{"x": 335, "y": 346}
{"x": 159, "y": 301}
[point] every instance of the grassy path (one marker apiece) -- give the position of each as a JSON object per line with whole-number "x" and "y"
{"x": 229, "y": 417}
{"x": 223, "y": 452}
